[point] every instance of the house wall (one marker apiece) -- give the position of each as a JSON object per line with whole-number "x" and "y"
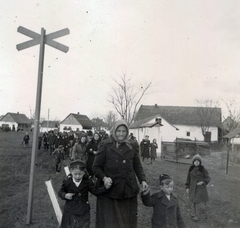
{"x": 168, "y": 133}
{"x": 10, "y": 124}
{"x": 8, "y": 120}
{"x": 195, "y": 132}
{"x": 74, "y": 127}
{"x": 45, "y": 129}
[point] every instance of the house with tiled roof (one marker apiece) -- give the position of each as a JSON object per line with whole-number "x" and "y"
{"x": 175, "y": 122}
{"x": 15, "y": 121}
{"x": 49, "y": 125}
{"x": 99, "y": 124}
{"x": 76, "y": 122}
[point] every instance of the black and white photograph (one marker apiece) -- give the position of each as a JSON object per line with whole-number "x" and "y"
{"x": 120, "y": 114}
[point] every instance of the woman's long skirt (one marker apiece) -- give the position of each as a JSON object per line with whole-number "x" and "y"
{"x": 113, "y": 213}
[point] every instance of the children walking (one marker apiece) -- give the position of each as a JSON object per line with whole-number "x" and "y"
{"x": 166, "y": 212}
{"x": 197, "y": 180}
{"x": 74, "y": 191}
{"x": 59, "y": 157}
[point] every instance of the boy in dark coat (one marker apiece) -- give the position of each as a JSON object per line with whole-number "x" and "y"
{"x": 166, "y": 212}
{"x": 74, "y": 191}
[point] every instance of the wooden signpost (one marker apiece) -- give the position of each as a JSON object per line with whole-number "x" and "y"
{"x": 41, "y": 39}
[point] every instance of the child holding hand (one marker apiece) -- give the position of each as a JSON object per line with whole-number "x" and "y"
{"x": 74, "y": 191}
{"x": 166, "y": 212}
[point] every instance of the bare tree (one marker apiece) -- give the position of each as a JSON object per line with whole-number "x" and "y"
{"x": 207, "y": 114}
{"x": 125, "y": 98}
{"x": 232, "y": 120}
{"x": 109, "y": 119}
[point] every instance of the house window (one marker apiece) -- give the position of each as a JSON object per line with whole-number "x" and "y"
{"x": 188, "y": 133}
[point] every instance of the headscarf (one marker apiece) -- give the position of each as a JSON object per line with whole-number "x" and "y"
{"x": 117, "y": 124}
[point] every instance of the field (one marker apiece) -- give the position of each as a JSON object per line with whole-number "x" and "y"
{"x": 222, "y": 210}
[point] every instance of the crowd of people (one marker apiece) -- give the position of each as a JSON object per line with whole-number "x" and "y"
{"x": 109, "y": 167}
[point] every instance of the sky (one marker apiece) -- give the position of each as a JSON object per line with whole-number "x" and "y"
{"x": 188, "y": 49}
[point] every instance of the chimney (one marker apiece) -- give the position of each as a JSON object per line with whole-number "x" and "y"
{"x": 78, "y": 113}
{"x": 156, "y": 105}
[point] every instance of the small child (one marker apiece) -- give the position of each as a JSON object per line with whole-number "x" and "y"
{"x": 59, "y": 157}
{"x": 75, "y": 190}
{"x": 166, "y": 212}
{"x": 197, "y": 180}
{"x": 26, "y": 139}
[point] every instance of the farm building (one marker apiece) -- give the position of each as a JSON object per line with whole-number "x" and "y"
{"x": 15, "y": 121}
{"x": 99, "y": 124}
{"x": 166, "y": 123}
{"x": 49, "y": 126}
{"x": 76, "y": 122}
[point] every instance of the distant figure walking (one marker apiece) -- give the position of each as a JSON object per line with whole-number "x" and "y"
{"x": 92, "y": 149}
{"x": 79, "y": 150}
{"x": 153, "y": 150}
{"x": 59, "y": 157}
{"x": 26, "y": 139}
{"x": 144, "y": 147}
{"x": 197, "y": 180}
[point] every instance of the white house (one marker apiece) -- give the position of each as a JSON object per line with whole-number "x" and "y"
{"x": 15, "y": 121}
{"x": 175, "y": 122}
{"x": 49, "y": 126}
{"x": 76, "y": 122}
{"x": 99, "y": 125}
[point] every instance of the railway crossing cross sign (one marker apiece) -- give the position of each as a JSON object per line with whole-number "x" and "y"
{"x": 41, "y": 39}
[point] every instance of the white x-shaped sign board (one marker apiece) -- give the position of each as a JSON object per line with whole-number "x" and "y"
{"x": 48, "y": 39}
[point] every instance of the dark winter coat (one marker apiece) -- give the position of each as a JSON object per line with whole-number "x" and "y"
{"x": 92, "y": 146}
{"x": 197, "y": 193}
{"x": 121, "y": 165}
{"x": 26, "y": 138}
{"x": 79, "y": 205}
{"x": 52, "y": 137}
{"x": 153, "y": 151}
{"x": 166, "y": 213}
{"x": 144, "y": 148}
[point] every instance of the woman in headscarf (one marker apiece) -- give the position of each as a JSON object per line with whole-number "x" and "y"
{"x": 116, "y": 166}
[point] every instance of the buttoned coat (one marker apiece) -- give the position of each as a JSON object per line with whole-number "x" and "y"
{"x": 144, "y": 148}
{"x": 197, "y": 193}
{"x": 79, "y": 204}
{"x": 166, "y": 213}
{"x": 122, "y": 165}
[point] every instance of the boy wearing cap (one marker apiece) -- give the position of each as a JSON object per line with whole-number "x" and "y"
{"x": 59, "y": 157}
{"x": 74, "y": 191}
{"x": 197, "y": 180}
{"x": 166, "y": 212}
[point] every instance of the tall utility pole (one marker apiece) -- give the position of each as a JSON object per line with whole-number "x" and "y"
{"x": 48, "y": 119}
{"x": 41, "y": 39}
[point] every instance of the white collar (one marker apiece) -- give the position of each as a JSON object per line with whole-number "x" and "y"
{"x": 77, "y": 183}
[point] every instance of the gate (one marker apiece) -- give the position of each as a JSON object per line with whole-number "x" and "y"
{"x": 182, "y": 150}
